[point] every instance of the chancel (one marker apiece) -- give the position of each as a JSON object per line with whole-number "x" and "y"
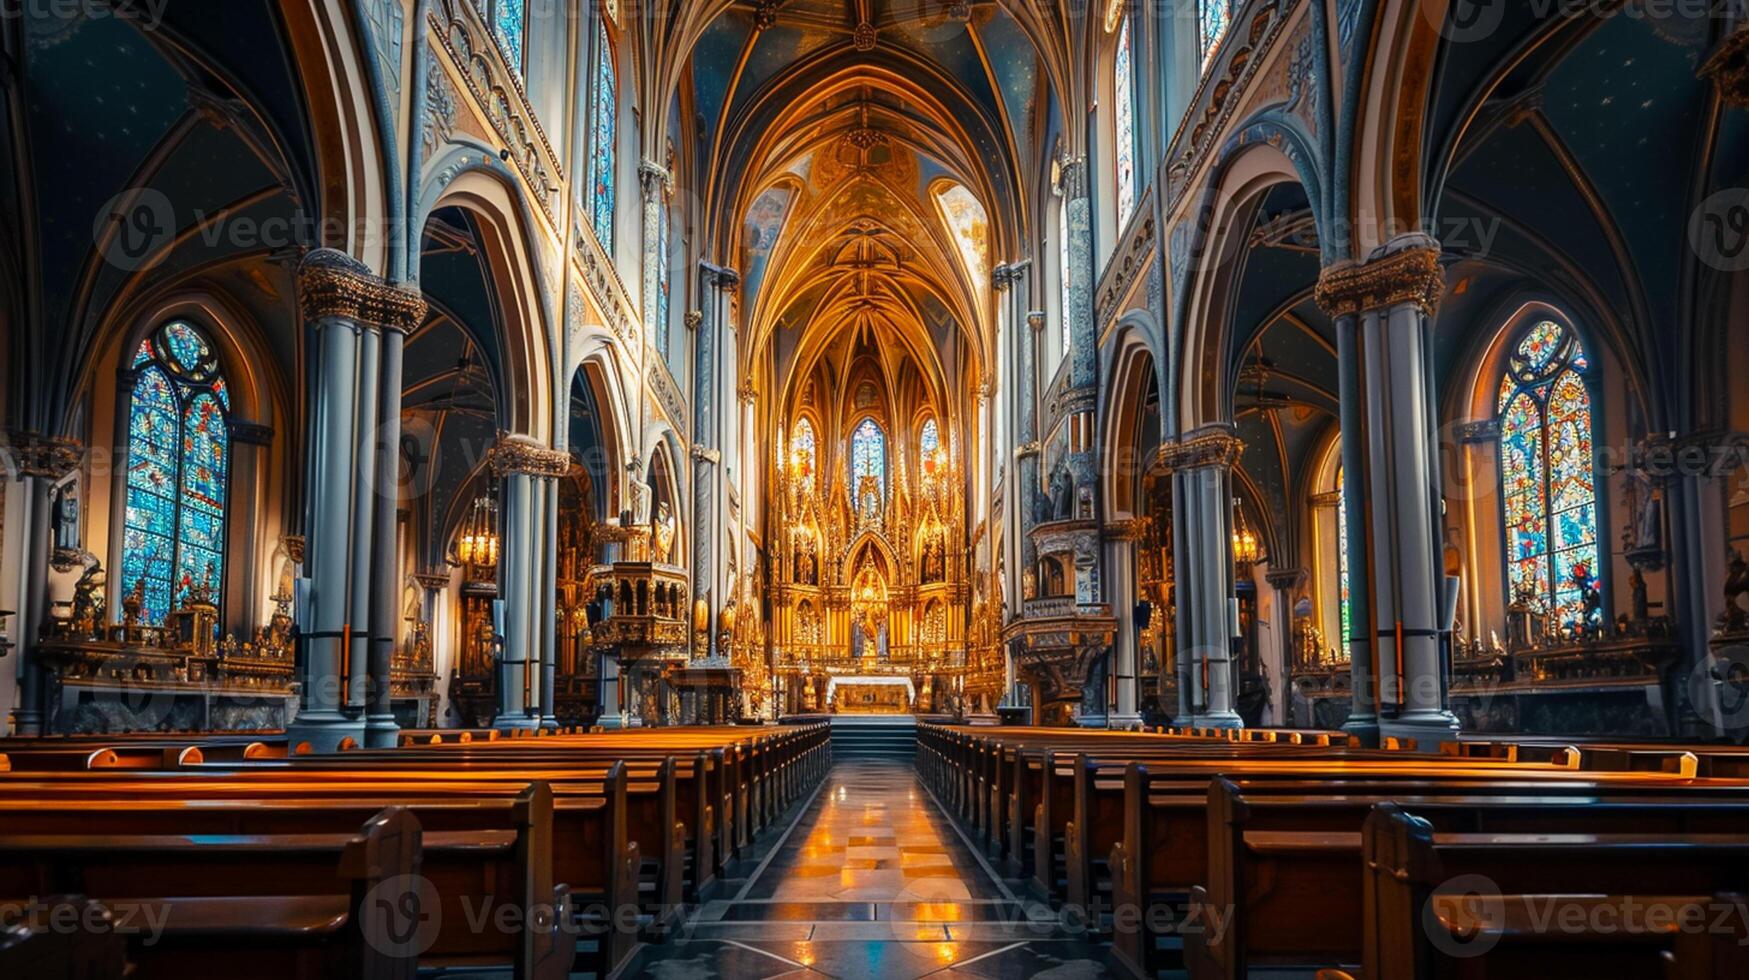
{"x": 874, "y": 488}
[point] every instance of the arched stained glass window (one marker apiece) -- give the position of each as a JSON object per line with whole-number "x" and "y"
{"x": 1212, "y": 19}
{"x": 509, "y": 23}
{"x": 1063, "y": 268}
{"x": 602, "y": 134}
{"x": 868, "y": 458}
{"x": 1344, "y": 604}
{"x": 178, "y": 458}
{"x": 1124, "y": 92}
{"x": 804, "y": 454}
{"x": 1546, "y": 472}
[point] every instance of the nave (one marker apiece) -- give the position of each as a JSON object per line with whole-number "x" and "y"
{"x": 993, "y": 852}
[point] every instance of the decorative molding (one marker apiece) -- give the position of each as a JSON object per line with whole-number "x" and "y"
{"x": 765, "y": 14}
{"x": 1406, "y": 275}
{"x": 1328, "y": 500}
{"x": 1214, "y": 445}
{"x": 1128, "y": 529}
{"x": 498, "y": 91}
{"x": 600, "y": 274}
{"x": 1218, "y": 97}
{"x": 432, "y": 581}
{"x": 1126, "y": 266}
{"x": 523, "y": 455}
{"x": 1728, "y": 68}
{"x": 47, "y": 457}
{"x": 440, "y": 107}
{"x": 865, "y": 37}
{"x": 334, "y": 284}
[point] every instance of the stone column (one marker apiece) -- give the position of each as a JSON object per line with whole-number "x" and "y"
{"x": 1393, "y": 297}
{"x": 548, "y": 602}
{"x": 41, "y": 462}
{"x": 1120, "y": 562}
{"x": 1083, "y": 332}
{"x": 380, "y": 729}
{"x": 525, "y": 468}
{"x": 653, "y": 184}
{"x": 1286, "y": 582}
{"x": 337, "y": 293}
{"x": 707, "y": 538}
{"x": 1201, "y": 463}
{"x": 363, "y": 516}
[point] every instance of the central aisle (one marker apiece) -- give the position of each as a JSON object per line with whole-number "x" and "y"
{"x": 871, "y": 880}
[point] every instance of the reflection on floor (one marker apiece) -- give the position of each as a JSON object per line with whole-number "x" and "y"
{"x": 871, "y": 881}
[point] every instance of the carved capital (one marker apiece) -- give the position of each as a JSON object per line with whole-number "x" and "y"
{"x": 721, "y": 278}
{"x": 747, "y": 391}
{"x": 334, "y": 284}
{"x": 693, "y": 318}
{"x": 1286, "y": 579}
{"x": 294, "y": 548}
{"x": 1128, "y": 529}
{"x": 1209, "y": 446}
{"x": 34, "y": 454}
{"x": 1405, "y": 275}
{"x": 706, "y": 454}
{"x": 1027, "y": 449}
{"x": 1036, "y": 320}
{"x": 1728, "y": 68}
{"x": 1072, "y": 177}
{"x": 523, "y": 455}
{"x": 432, "y": 581}
{"x": 1008, "y": 274}
{"x": 654, "y": 177}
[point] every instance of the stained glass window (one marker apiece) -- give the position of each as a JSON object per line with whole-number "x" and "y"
{"x": 929, "y": 438}
{"x": 1123, "y": 90}
{"x": 602, "y": 133}
{"x": 1213, "y": 18}
{"x": 804, "y": 453}
{"x": 509, "y": 24}
{"x": 868, "y": 457}
{"x": 1063, "y": 268}
{"x": 1344, "y": 606}
{"x": 1547, "y": 474}
{"x": 178, "y": 455}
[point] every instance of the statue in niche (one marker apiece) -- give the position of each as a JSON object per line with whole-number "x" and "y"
{"x": 934, "y": 559}
{"x": 1062, "y": 496}
{"x": 663, "y": 534}
{"x": 807, "y": 563}
{"x": 640, "y": 503}
{"x": 1642, "y": 605}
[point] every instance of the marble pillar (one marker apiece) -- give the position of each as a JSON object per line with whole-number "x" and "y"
{"x": 380, "y": 729}
{"x": 526, "y": 470}
{"x": 1120, "y": 562}
{"x": 364, "y": 512}
{"x": 1392, "y": 299}
{"x": 1201, "y": 463}
{"x": 708, "y": 558}
{"x": 40, "y": 463}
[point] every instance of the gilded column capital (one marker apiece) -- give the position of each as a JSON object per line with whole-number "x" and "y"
{"x": 693, "y": 318}
{"x": 49, "y": 457}
{"x": 1127, "y": 529}
{"x": 706, "y": 454}
{"x": 334, "y": 284}
{"x": 1026, "y": 449}
{"x": 1214, "y": 445}
{"x": 1036, "y": 320}
{"x": 1286, "y": 579}
{"x": 1728, "y": 68}
{"x": 748, "y": 392}
{"x": 523, "y": 455}
{"x": 1408, "y": 273}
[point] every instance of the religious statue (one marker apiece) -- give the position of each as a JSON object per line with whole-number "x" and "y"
{"x": 640, "y": 503}
{"x": 90, "y": 607}
{"x": 1591, "y": 598}
{"x": 1642, "y": 606}
{"x": 933, "y": 559}
{"x": 663, "y": 532}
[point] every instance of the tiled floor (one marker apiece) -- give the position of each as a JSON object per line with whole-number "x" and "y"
{"x": 871, "y": 881}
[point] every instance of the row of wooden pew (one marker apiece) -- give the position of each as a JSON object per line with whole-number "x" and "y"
{"x": 546, "y": 856}
{"x": 1224, "y": 855}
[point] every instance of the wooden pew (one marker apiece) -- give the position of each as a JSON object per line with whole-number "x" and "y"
{"x": 87, "y": 949}
{"x": 1407, "y": 864}
{"x": 489, "y": 847}
{"x": 291, "y": 905}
